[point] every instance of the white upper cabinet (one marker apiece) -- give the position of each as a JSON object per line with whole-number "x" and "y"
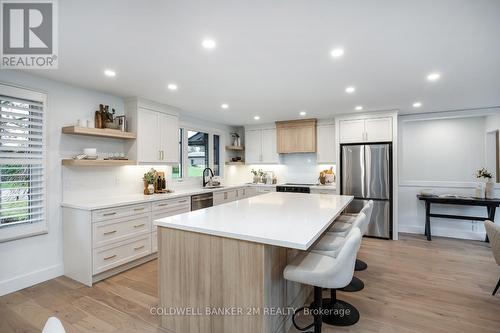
{"x": 148, "y": 138}
{"x": 352, "y": 130}
{"x": 253, "y": 146}
{"x": 169, "y": 143}
{"x": 157, "y": 130}
{"x": 269, "y": 153}
{"x": 365, "y": 130}
{"x": 325, "y": 147}
{"x": 260, "y": 146}
{"x": 378, "y": 129}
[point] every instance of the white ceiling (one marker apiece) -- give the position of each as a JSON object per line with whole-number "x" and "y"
{"x": 273, "y": 57}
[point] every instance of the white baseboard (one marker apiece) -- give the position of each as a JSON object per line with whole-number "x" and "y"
{"x": 30, "y": 279}
{"x": 443, "y": 232}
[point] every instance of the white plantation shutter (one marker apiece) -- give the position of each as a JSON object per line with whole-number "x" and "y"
{"x": 22, "y": 158}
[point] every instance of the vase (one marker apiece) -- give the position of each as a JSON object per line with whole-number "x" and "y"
{"x": 151, "y": 189}
{"x": 256, "y": 179}
{"x": 479, "y": 191}
{"x": 489, "y": 192}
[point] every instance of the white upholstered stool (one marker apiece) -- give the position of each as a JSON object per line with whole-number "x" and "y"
{"x": 342, "y": 224}
{"x": 321, "y": 272}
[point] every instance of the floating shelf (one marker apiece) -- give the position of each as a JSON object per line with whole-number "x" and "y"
{"x": 235, "y": 163}
{"x": 100, "y": 132}
{"x": 73, "y": 162}
{"x": 235, "y": 147}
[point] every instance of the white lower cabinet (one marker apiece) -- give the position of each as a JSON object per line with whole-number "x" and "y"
{"x": 323, "y": 191}
{"x": 250, "y": 192}
{"x": 100, "y": 243}
{"x": 117, "y": 254}
{"x": 265, "y": 189}
{"x": 222, "y": 197}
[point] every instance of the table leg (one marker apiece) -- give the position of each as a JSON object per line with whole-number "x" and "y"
{"x": 491, "y": 216}
{"x": 428, "y": 220}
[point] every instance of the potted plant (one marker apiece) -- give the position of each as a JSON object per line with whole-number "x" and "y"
{"x": 149, "y": 178}
{"x": 487, "y": 177}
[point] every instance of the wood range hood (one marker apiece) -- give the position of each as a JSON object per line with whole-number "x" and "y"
{"x": 296, "y": 136}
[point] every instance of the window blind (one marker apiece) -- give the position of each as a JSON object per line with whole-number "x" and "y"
{"x": 22, "y": 160}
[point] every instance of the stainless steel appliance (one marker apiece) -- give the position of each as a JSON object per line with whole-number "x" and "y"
{"x": 201, "y": 201}
{"x": 292, "y": 187}
{"x": 366, "y": 174}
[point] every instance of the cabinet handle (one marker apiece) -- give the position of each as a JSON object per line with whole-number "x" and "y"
{"x": 225, "y": 195}
{"x": 163, "y": 205}
{"x": 139, "y": 225}
{"x": 182, "y": 201}
{"x": 110, "y": 232}
{"x": 162, "y": 155}
{"x": 159, "y": 154}
{"x": 138, "y": 209}
{"x": 110, "y": 257}
{"x": 138, "y": 248}
{"x": 109, "y": 214}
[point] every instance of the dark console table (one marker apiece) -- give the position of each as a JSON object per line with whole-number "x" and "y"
{"x": 490, "y": 204}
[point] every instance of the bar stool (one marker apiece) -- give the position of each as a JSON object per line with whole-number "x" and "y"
{"x": 331, "y": 243}
{"x": 321, "y": 272}
{"x": 342, "y": 223}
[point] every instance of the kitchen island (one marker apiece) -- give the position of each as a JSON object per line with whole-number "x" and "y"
{"x": 221, "y": 268}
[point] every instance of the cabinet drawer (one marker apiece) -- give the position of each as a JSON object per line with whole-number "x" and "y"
{"x": 219, "y": 198}
{"x": 154, "y": 242}
{"x": 120, "y": 253}
{"x": 117, "y": 212}
{"x": 322, "y": 191}
{"x": 241, "y": 193}
{"x": 168, "y": 212}
{"x": 172, "y": 204}
{"x": 107, "y": 232}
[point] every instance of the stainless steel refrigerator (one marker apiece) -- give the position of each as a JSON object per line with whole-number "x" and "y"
{"x": 366, "y": 173}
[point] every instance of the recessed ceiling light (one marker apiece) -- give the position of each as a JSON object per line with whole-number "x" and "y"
{"x": 350, "y": 90}
{"x": 208, "y": 44}
{"x": 224, "y": 106}
{"x": 417, "y": 104}
{"x": 337, "y": 53}
{"x": 358, "y": 108}
{"x": 110, "y": 73}
{"x": 256, "y": 117}
{"x": 433, "y": 76}
{"x": 172, "y": 86}
{"x": 303, "y": 113}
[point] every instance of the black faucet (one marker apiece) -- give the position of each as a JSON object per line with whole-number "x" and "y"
{"x": 212, "y": 174}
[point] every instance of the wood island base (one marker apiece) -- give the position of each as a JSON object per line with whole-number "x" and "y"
{"x": 215, "y": 284}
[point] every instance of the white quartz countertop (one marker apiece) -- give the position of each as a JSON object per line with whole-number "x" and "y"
{"x": 94, "y": 203}
{"x": 108, "y": 202}
{"x": 292, "y": 220}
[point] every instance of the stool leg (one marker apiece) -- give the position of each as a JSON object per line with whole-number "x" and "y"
{"x": 360, "y": 265}
{"x": 318, "y": 306}
{"x": 337, "y": 312}
{"x": 496, "y": 288}
{"x": 356, "y": 284}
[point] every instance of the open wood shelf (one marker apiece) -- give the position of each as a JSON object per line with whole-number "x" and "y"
{"x": 101, "y": 132}
{"x": 235, "y": 147}
{"x": 73, "y": 162}
{"x": 235, "y": 163}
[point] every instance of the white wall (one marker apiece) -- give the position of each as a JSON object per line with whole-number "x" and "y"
{"x": 28, "y": 261}
{"x": 440, "y": 153}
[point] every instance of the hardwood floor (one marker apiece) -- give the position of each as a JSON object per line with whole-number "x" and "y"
{"x": 411, "y": 285}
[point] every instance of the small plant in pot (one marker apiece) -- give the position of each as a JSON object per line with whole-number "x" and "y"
{"x": 487, "y": 177}
{"x": 149, "y": 178}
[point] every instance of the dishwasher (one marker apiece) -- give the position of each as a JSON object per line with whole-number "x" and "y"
{"x": 201, "y": 201}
